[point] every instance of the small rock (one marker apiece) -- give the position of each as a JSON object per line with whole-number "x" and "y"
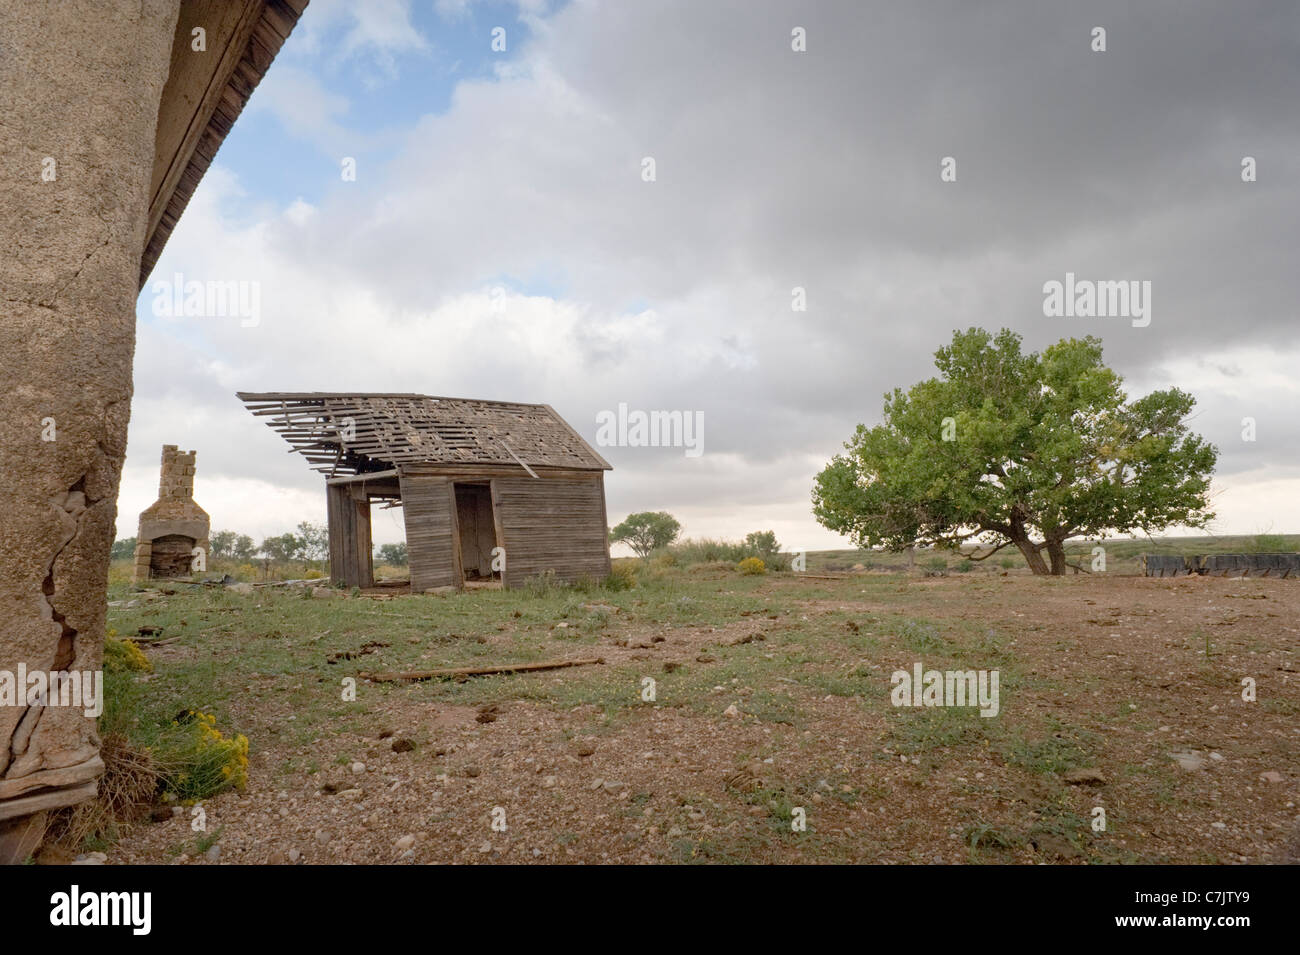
{"x": 404, "y": 843}
{"x": 213, "y": 853}
{"x": 549, "y": 782}
{"x": 732, "y": 711}
{"x": 471, "y": 771}
{"x": 322, "y": 837}
{"x": 1272, "y": 776}
{"x": 585, "y": 747}
{"x": 277, "y": 858}
{"x": 1188, "y": 761}
{"x": 358, "y": 767}
{"x": 294, "y": 855}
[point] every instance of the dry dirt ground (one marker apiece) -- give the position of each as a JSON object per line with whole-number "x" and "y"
{"x": 1108, "y": 702}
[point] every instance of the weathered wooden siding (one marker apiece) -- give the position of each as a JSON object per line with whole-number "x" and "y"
{"x": 432, "y": 547}
{"x": 349, "y": 536}
{"x": 552, "y": 523}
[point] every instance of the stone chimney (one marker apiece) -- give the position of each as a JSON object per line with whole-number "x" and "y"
{"x": 174, "y": 526}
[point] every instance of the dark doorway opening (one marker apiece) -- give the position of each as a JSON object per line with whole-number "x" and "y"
{"x": 478, "y": 533}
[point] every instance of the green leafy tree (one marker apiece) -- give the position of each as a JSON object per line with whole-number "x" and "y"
{"x": 243, "y": 548}
{"x": 764, "y": 546}
{"x": 282, "y": 548}
{"x": 1013, "y": 449}
{"x": 393, "y": 554}
{"x": 123, "y": 548}
{"x": 228, "y": 544}
{"x": 222, "y": 544}
{"x": 314, "y": 541}
{"x": 647, "y": 531}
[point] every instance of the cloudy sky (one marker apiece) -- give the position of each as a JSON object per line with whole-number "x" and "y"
{"x": 500, "y": 239}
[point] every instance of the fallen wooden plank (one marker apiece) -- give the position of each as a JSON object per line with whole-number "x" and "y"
{"x": 400, "y": 676}
{"x": 155, "y": 641}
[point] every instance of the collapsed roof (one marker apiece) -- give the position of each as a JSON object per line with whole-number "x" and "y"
{"x": 344, "y": 434}
{"x": 206, "y": 90}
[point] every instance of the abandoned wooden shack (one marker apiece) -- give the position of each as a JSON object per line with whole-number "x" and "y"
{"x": 489, "y": 490}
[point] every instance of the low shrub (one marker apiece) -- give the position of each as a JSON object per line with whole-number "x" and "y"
{"x": 124, "y": 656}
{"x": 751, "y": 566}
{"x": 197, "y": 760}
{"x": 621, "y": 577}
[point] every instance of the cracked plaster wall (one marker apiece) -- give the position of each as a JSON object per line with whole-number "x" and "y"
{"x": 80, "y": 84}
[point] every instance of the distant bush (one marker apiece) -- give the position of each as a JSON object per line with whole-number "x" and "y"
{"x": 937, "y": 563}
{"x": 1007, "y": 562}
{"x": 706, "y": 550}
{"x": 1268, "y": 544}
{"x": 764, "y": 546}
{"x": 621, "y": 577}
{"x": 965, "y": 566}
{"x": 751, "y": 566}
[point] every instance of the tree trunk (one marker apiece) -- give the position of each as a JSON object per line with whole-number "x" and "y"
{"x": 1056, "y": 554}
{"x": 1031, "y": 551}
{"x": 81, "y": 83}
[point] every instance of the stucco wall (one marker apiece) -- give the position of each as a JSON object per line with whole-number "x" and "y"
{"x": 80, "y": 84}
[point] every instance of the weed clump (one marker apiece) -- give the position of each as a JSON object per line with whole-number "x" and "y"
{"x": 621, "y": 577}
{"x": 124, "y": 656}
{"x": 198, "y": 761}
{"x": 751, "y": 566}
